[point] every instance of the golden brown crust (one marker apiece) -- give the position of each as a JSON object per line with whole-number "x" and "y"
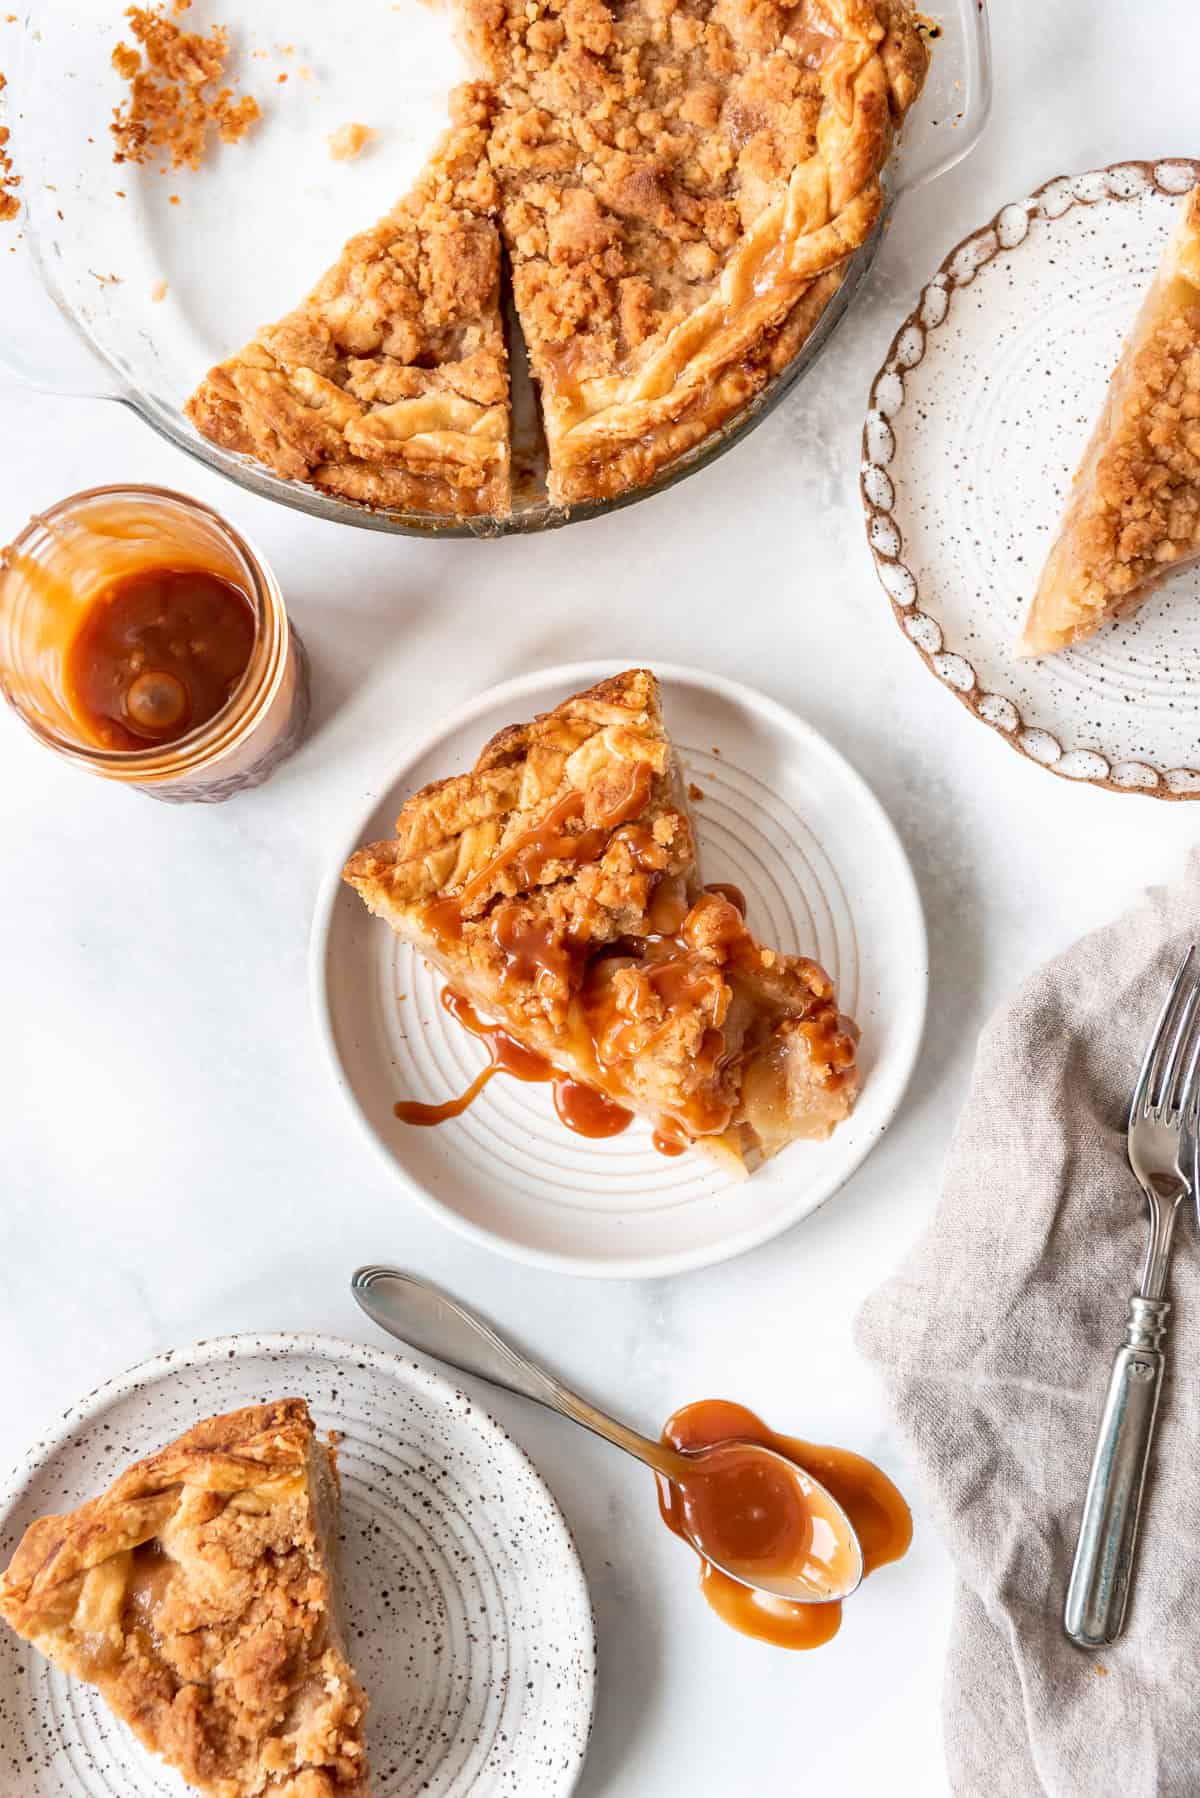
{"x": 389, "y": 385}
{"x": 673, "y": 179}
{"x": 196, "y": 1593}
{"x": 1134, "y": 512}
{"x": 556, "y": 886}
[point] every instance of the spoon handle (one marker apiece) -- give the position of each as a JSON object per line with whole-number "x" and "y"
{"x": 430, "y": 1320}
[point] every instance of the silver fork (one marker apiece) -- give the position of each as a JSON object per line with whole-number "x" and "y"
{"x": 1163, "y": 1134}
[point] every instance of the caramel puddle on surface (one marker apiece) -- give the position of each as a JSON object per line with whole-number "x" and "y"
{"x": 878, "y": 1512}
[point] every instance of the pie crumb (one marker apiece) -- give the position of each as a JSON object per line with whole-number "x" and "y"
{"x": 176, "y": 91}
{"x": 158, "y": 292}
{"x": 348, "y": 142}
{"x": 9, "y": 203}
{"x": 695, "y": 793}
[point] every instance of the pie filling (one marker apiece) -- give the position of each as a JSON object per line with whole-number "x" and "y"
{"x": 581, "y": 925}
{"x": 1134, "y": 512}
{"x": 677, "y": 185}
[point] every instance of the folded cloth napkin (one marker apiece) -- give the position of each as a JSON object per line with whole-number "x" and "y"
{"x": 995, "y": 1341}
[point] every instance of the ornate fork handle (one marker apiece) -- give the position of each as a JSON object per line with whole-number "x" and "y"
{"x": 1099, "y": 1588}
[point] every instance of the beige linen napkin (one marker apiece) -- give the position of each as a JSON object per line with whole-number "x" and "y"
{"x": 995, "y": 1340}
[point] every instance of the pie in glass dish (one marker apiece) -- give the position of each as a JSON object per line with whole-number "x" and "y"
{"x": 198, "y": 1595}
{"x": 389, "y": 384}
{"x": 1134, "y": 513}
{"x": 556, "y": 887}
{"x": 678, "y": 186}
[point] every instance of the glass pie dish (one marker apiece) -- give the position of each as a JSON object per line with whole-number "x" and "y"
{"x": 158, "y": 275}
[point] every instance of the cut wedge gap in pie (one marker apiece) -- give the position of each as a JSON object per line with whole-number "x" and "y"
{"x": 1133, "y": 517}
{"x": 198, "y": 1595}
{"x": 556, "y": 888}
{"x": 679, "y": 185}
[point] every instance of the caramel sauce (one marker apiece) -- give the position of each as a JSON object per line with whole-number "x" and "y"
{"x": 587, "y": 1111}
{"x": 156, "y": 655}
{"x": 758, "y": 1520}
{"x": 725, "y": 889}
{"x": 507, "y": 1056}
{"x": 583, "y": 1109}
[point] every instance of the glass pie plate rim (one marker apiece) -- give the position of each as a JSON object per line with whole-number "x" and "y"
{"x": 962, "y": 64}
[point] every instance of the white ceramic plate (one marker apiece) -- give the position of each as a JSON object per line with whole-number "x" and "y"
{"x": 977, "y": 422}
{"x": 469, "y": 1617}
{"x": 787, "y": 820}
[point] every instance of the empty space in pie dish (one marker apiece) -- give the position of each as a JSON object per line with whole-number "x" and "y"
{"x": 783, "y": 817}
{"x": 250, "y": 231}
{"x": 467, "y": 1611}
{"x": 977, "y": 423}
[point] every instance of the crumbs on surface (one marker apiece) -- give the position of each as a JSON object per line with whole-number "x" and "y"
{"x": 695, "y": 793}
{"x": 175, "y": 96}
{"x": 158, "y": 292}
{"x": 9, "y": 203}
{"x": 349, "y": 141}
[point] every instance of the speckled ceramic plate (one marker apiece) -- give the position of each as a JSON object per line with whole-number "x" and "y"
{"x": 469, "y": 1617}
{"x": 977, "y": 422}
{"x": 781, "y": 815}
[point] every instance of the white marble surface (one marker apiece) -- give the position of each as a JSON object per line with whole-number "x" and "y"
{"x": 174, "y": 1165}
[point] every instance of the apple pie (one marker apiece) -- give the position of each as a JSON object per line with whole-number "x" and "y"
{"x": 556, "y": 888}
{"x": 678, "y": 185}
{"x": 389, "y": 385}
{"x": 1134, "y": 512}
{"x": 197, "y": 1594}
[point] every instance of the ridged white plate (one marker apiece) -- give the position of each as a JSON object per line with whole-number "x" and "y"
{"x": 782, "y": 816}
{"x": 468, "y": 1614}
{"x": 977, "y": 422}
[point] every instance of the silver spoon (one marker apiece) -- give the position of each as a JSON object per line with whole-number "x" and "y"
{"x": 429, "y": 1319}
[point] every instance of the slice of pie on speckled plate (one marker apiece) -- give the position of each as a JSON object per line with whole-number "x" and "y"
{"x": 198, "y": 1595}
{"x": 1134, "y": 512}
{"x": 555, "y": 886}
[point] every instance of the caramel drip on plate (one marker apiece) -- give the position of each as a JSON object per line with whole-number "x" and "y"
{"x": 583, "y": 1109}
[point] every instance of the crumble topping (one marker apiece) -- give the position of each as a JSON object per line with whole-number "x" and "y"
{"x": 176, "y": 91}
{"x": 349, "y": 141}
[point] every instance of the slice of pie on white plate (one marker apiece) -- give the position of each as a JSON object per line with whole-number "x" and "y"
{"x": 198, "y": 1594}
{"x": 1133, "y": 517}
{"x": 555, "y": 886}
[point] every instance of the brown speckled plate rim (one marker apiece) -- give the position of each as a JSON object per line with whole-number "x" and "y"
{"x": 1109, "y": 181}
{"x": 281, "y": 1345}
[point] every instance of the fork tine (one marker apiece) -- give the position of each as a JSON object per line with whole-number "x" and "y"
{"x": 1147, "y": 1083}
{"x": 1176, "y": 1092}
{"x": 1168, "y": 1068}
{"x": 1189, "y": 1081}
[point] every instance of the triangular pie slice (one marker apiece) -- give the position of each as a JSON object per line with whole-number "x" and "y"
{"x": 198, "y": 1595}
{"x": 1134, "y": 513}
{"x": 675, "y": 180}
{"x": 389, "y": 384}
{"x": 556, "y": 888}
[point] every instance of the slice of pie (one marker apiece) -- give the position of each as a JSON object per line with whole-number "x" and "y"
{"x": 198, "y": 1595}
{"x": 675, "y": 178}
{"x": 556, "y": 887}
{"x": 1134, "y": 512}
{"x": 389, "y": 385}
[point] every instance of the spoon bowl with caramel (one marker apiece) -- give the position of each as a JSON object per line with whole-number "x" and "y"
{"x": 753, "y": 1515}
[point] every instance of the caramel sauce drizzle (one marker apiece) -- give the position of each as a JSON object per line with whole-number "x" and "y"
{"x": 583, "y": 1109}
{"x": 878, "y": 1512}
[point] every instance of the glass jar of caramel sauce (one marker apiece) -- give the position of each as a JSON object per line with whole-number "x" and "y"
{"x": 143, "y": 639}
